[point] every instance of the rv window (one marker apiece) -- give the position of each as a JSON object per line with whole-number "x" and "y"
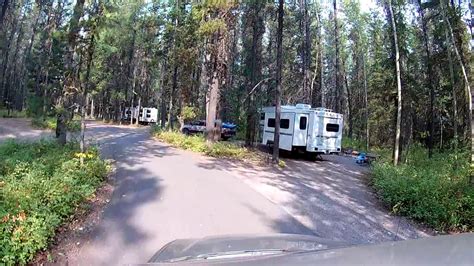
{"x": 148, "y": 111}
{"x": 303, "y": 121}
{"x": 148, "y": 116}
{"x": 284, "y": 123}
{"x": 262, "y": 116}
{"x": 332, "y": 127}
{"x": 271, "y": 122}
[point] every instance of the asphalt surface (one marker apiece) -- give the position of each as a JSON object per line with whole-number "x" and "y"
{"x": 162, "y": 194}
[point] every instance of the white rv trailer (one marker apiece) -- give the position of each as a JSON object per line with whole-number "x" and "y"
{"x": 130, "y": 112}
{"x": 148, "y": 115}
{"x": 314, "y": 130}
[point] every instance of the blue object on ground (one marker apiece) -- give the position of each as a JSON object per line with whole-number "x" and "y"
{"x": 361, "y": 158}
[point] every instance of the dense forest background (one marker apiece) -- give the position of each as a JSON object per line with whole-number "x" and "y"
{"x": 398, "y": 70}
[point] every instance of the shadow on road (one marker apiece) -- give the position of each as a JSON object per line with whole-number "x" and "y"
{"x": 135, "y": 186}
{"x": 330, "y": 197}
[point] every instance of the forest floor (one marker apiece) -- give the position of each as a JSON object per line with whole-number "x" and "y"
{"x": 159, "y": 194}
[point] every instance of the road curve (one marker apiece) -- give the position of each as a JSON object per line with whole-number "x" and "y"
{"x": 162, "y": 194}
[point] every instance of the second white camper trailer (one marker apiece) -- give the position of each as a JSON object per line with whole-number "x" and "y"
{"x": 313, "y": 130}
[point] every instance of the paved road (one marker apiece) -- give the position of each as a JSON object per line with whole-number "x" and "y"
{"x": 163, "y": 194}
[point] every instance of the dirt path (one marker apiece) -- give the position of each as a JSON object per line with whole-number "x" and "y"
{"x": 20, "y": 128}
{"x": 331, "y": 197}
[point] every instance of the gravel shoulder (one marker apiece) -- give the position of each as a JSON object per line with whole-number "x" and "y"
{"x": 20, "y": 128}
{"x": 330, "y": 196}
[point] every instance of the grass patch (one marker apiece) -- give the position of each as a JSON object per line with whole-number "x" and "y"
{"x": 197, "y": 143}
{"x": 50, "y": 123}
{"x": 431, "y": 191}
{"x": 12, "y": 114}
{"x": 41, "y": 186}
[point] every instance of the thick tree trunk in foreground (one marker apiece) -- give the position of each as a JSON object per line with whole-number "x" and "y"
{"x": 212, "y": 131}
{"x": 276, "y": 139}
{"x": 396, "y": 147}
{"x": 70, "y": 82}
{"x": 253, "y": 44}
{"x": 90, "y": 55}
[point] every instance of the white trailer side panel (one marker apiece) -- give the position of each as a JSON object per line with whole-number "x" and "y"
{"x": 326, "y": 133}
{"x": 286, "y": 130}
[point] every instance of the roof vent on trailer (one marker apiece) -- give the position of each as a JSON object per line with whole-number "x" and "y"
{"x": 303, "y": 106}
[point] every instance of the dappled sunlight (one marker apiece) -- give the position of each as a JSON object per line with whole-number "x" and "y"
{"x": 330, "y": 197}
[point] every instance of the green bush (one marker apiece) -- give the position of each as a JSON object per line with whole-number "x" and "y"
{"x": 197, "y": 143}
{"x": 356, "y": 144}
{"x": 12, "y": 113}
{"x": 432, "y": 191}
{"x": 41, "y": 185}
{"x": 44, "y": 123}
{"x": 50, "y": 123}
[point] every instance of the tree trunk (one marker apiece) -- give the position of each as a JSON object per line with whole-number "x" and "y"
{"x": 336, "y": 60}
{"x": 6, "y": 59}
{"x": 467, "y": 88}
{"x": 3, "y": 12}
{"x": 92, "y": 112}
{"x": 396, "y": 147}
{"x": 276, "y": 138}
{"x": 429, "y": 81}
{"x": 452, "y": 83}
{"x": 174, "y": 87}
{"x": 349, "y": 104}
{"x": 366, "y": 102}
{"x": 253, "y": 46}
{"x": 90, "y": 55}
{"x": 138, "y": 110}
{"x": 212, "y": 132}
{"x": 61, "y": 131}
{"x": 306, "y": 50}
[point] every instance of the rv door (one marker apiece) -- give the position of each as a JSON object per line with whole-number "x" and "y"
{"x": 300, "y": 130}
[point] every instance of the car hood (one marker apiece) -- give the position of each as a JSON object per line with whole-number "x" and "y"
{"x": 285, "y": 249}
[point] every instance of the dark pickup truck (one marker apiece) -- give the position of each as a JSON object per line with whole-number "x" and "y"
{"x": 228, "y": 130}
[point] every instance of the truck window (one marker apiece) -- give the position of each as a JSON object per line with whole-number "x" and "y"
{"x": 284, "y": 123}
{"x": 303, "y": 121}
{"x": 148, "y": 111}
{"x": 332, "y": 127}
